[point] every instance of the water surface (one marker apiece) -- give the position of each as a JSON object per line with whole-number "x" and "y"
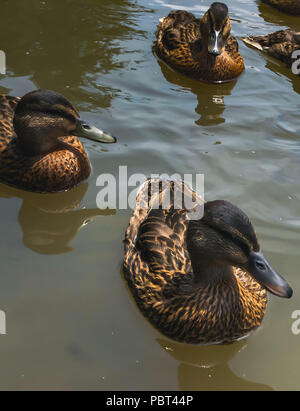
{"x": 71, "y": 322}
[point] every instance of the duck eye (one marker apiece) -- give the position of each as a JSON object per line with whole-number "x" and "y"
{"x": 261, "y": 266}
{"x": 86, "y": 126}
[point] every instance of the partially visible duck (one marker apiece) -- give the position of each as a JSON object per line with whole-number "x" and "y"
{"x": 283, "y": 45}
{"x": 38, "y": 148}
{"x": 287, "y": 6}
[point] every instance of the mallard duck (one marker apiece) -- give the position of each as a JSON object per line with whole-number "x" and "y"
{"x": 201, "y": 48}
{"x": 281, "y": 44}
{"x": 287, "y": 6}
{"x": 211, "y": 96}
{"x": 198, "y": 280}
{"x": 38, "y": 148}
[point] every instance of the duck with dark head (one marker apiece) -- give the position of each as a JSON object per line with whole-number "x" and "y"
{"x": 39, "y": 150}
{"x": 200, "y": 48}
{"x": 198, "y": 281}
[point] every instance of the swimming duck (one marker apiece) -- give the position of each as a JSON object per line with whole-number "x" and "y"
{"x": 281, "y": 44}
{"x": 200, "y": 48}
{"x": 287, "y": 6}
{"x": 38, "y": 148}
{"x": 200, "y": 280}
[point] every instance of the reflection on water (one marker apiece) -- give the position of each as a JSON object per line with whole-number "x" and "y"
{"x": 99, "y": 54}
{"x": 274, "y": 16}
{"x": 207, "y": 367}
{"x": 282, "y": 69}
{"x": 211, "y": 97}
{"x": 50, "y": 221}
{"x": 289, "y": 122}
{"x": 61, "y": 43}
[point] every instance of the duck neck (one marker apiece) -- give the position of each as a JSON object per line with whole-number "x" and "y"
{"x": 35, "y": 146}
{"x": 209, "y": 273}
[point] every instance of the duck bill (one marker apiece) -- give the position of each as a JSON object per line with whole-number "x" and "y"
{"x": 261, "y": 270}
{"x": 215, "y": 43}
{"x": 93, "y": 133}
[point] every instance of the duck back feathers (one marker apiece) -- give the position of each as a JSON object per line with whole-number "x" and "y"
{"x": 158, "y": 269}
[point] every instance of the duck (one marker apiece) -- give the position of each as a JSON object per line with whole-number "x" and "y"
{"x": 283, "y": 45}
{"x": 286, "y": 6}
{"x": 201, "y": 277}
{"x": 200, "y": 48}
{"x": 39, "y": 148}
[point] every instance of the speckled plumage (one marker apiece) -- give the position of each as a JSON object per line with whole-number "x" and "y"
{"x": 56, "y": 171}
{"x": 280, "y": 44}
{"x": 286, "y": 6}
{"x": 182, "y": 45}
{"x": 158, "y": 269}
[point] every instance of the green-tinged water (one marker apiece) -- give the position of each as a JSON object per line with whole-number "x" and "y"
{"x": 71, "y": 321}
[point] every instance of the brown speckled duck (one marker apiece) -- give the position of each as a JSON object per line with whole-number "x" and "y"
{"x": 38, "y": 148}
{"x": 200, "y": 48}
{"x": 287, "y": 6}
{"x": 197, "y": 281}
{"x": 280, "y": 44}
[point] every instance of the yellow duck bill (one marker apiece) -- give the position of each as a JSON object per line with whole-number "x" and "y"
{"x": 261, "y": 270}
{"x": 93, "y": 133}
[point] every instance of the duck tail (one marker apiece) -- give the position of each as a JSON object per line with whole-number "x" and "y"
{"x": 254, "y": 42}
{"x": 156, "y": 193}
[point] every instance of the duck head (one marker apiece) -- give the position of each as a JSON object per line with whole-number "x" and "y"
{"x": 215, "y": 28}
{"x": 225, "y": 237}
{"x": 43, "y": 117}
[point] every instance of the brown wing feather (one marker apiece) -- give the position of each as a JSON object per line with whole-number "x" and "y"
{"x": 158, "y": 270}
{"x": 162, "y": 245}
{"x": 176, "y": 37}
{"x": 156, "y": 236}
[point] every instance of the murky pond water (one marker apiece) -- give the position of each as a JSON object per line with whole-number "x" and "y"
{"x": 71, "y": 322}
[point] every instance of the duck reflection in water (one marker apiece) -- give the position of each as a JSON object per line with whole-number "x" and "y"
{"x": 211, "y": 97}
{"x": 273, "y": 16}
{"x": 279, "y": 67}
{"x": 51, "y": 221}
{"x": 291, "y": 7}
{"x": 207, "y": 367}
